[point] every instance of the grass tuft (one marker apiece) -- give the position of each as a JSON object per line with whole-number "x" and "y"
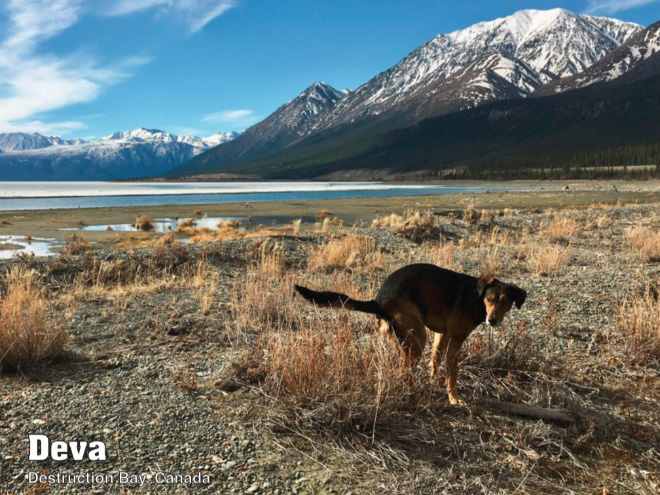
{"x": 27, "y": 337}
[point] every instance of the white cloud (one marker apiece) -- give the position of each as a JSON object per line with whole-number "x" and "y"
{"x": 195, "y": 13}
{"x": 613, "y": 6}
{"x": 236, "y": 118}
{"x": 34, "y": 82}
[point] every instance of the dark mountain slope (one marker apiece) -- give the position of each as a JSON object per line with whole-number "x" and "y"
{"x": 517, "y": 131}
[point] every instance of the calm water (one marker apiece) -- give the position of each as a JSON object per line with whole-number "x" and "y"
{"x": 61, "y": 195}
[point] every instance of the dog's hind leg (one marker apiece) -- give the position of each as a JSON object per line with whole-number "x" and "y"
{"x": 411, "y": 334}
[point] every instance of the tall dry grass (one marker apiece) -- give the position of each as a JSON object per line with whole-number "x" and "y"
{"x": 75, "y": 244}
{"x": 639, "y": 326}
{"x": 413, "y": 224}
{"x": 546, "y": 260}
{"x": 560, "y": 229}
{"x": 349, "y": 251}
{"x": 332, "y": 373}
{"x": 27, "y": 337}
{"x": 645, "y": 241}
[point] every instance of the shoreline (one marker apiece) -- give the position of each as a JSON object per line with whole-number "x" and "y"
{"x": 48, "y": 223}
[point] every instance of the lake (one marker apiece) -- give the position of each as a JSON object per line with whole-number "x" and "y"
{"x": 65, "y": 195}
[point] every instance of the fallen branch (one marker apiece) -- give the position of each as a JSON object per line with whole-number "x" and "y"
{"x": 536, "y": 412}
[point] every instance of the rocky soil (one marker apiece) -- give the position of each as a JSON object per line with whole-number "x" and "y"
{"x": 151, "y": 372}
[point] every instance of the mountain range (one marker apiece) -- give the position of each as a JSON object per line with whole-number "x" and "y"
{"x": 437, "y": 108}
{"x": 120, "y": 155}
{"x": 528, "y": 54}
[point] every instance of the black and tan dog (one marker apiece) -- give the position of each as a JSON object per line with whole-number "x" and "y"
{"x": 450, "y": 304}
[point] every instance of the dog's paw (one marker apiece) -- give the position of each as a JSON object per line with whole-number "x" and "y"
{"x": 455, "y": 400}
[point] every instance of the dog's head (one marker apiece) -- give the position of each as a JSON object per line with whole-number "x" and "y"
{"x": 498, "y": 298}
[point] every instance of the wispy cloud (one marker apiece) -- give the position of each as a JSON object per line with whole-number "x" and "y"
{"x": 234, "y": 118}
{"x": 614, "y": 6}
{"x": 34, "y": 82}
{"x": 195, "y": 13}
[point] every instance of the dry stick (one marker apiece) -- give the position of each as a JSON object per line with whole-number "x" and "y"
{"x": 536, "y": 412}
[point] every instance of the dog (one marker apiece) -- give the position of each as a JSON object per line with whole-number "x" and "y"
{"x": 421, "y": 296}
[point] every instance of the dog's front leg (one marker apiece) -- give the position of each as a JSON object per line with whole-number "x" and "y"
{"x": 453, "y": 349}
{"x": 438, "y": 353}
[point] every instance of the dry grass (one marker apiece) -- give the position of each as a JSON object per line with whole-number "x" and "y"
{"x": 144, "y": 223}
{"x": 645, "y": 241}
{"x": 75, "y": 244}
{"x": 491, "y": 260}
{"x": 414, "y": 225}
{"x": 639, "y": 326}
{"x": 325, "y": 374}
{"x": 561, "y": 229}
{"x": 546, "y": 260}
{"x": 166, "y": 239}
{"x": 471, "y": 215}
{"x": 295, "y": 226}
{"x": 505, "y": 349}
{"x": 27, "y": 337}
{"x": 186, "y": 226}
{"x": 442, "y": 255}
{"x": 350, "y": 251}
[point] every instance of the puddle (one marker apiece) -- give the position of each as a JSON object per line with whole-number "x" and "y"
{"x": 40, "y": 246}
{"x": 161, "y": 225}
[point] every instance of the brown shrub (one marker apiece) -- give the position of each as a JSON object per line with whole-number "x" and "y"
{"x": 26, "y": 336}
{"x": 80, "y": 222}
{"x": 198, "y": 212}
{"x": 639, "y": 326}
{"x": 295, "y": 224}
{"x": 75, "y": 244}
{"x": 548, "y": 259}
{"x": 4, "y": 221}
{"x": 144, "y": 223}
{"x": 644, "y": 240}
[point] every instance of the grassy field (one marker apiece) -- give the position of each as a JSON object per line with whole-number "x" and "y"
{"x": 198, "y": 357}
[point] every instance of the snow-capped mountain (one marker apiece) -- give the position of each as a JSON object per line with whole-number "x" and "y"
{"x": 541, "y": 45}
{"x": 21, "y": 141}
{"x": 120, "y": 155}
{"x": 638, "y": 57}
{"x": 288, "y": 124}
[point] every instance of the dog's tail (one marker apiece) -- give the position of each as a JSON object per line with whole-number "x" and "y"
{"x": 341, "y": 301}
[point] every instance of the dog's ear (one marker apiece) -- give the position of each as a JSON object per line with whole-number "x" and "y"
{"x": 484, "y": 282}
{"x": 519, "y": 296}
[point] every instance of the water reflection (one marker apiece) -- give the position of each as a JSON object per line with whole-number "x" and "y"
{"x": 39, "y": 246}
{"x": 161, "y": 225}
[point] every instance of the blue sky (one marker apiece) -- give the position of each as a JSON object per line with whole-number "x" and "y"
{"x": 85, "y": 68}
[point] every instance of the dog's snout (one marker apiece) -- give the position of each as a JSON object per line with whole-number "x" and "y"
{"x": 492, "y": 321}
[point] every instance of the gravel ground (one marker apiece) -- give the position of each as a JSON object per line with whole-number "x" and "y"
{"x": 146, "y": 374}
